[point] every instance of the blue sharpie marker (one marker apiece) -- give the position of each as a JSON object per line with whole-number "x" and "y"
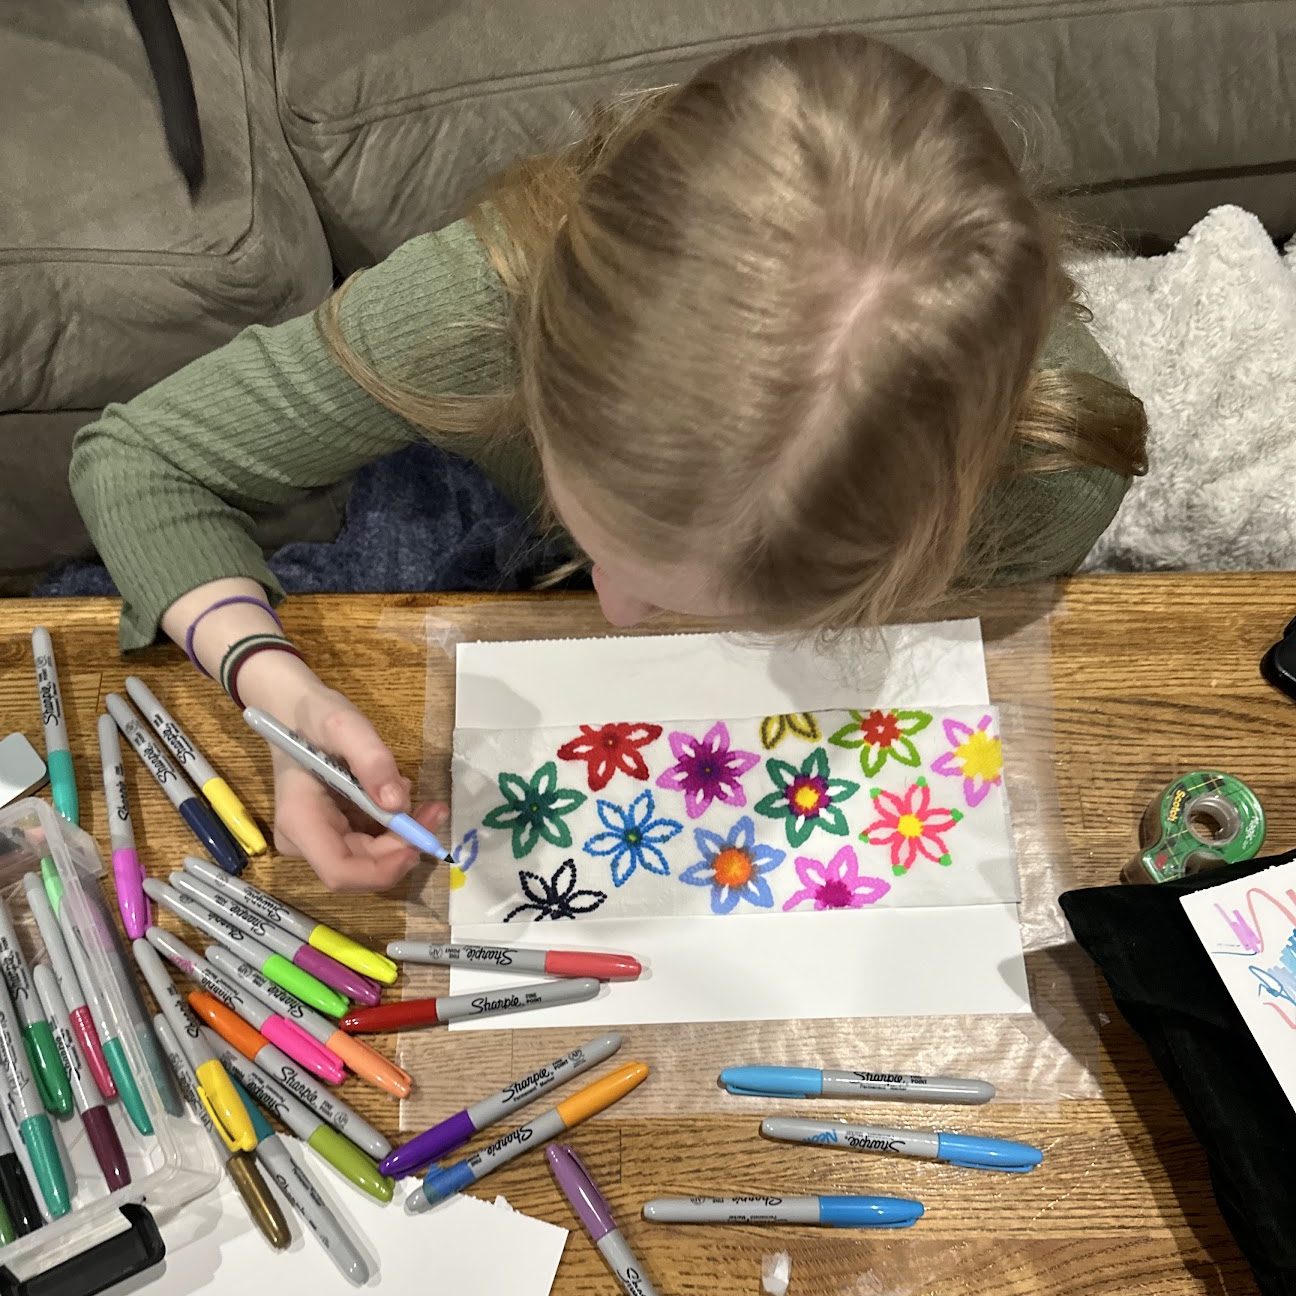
{"x": 967, "y": 1150}
{"x": 200, "y": 817}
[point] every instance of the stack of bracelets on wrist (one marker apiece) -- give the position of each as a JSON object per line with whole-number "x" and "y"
{"x": 239, "y": 653}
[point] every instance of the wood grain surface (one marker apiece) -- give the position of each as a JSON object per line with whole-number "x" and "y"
{"x": 1130, "y": 680}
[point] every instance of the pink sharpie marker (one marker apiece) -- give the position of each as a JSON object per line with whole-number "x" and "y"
{"x": 128, "y": 873}
{"x": 285, "y": 1035}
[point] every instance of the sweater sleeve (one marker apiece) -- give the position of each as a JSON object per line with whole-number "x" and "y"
{"x": 170, "y": 482}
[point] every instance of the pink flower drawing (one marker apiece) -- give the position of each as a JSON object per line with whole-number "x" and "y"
{"x": 707, "y": 769}
{"x": 911, "y": 826}
{"x": 835, "y": 885}
{"x": 975, "y": 756}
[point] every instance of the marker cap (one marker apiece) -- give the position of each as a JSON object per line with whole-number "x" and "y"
{"x": 63, "y": 784}
{"x": 229, "y": 1026}
{"x": 107, "y": 1147}
{"x": 211, "y": 832}
{"x": 128, "y": 1090}
{"x": 351, "y": 1162}
{"x": 431, "y": 1145}
{"x": 228, "y": 1115}
{"x": 288, "y": 975}
{"x": 354, "y": 955}
{"x": 289, "y": 1038}
{"x": 233, "y": 814}
{"x": 869, "y": 1212}
{"x": 38, "y": 1137}
{"x": 973, "y": 1153}
{"x": 370, "y": 1065}
{"x": 579, "y": 1188}
{"x": 137, "y": 914}
{"x": 603, "y": 967}
{"x": 445, "y": 1182}
{"x": 773, "y": 1082}
{"x": 260, "y": 1126}
{"x": 47, "y": 1068}
{"x": 602, "y": 1093}
{"x": 344, "y": 980}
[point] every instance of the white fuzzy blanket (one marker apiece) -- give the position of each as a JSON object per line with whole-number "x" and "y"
{"x": 1206, "y": 336}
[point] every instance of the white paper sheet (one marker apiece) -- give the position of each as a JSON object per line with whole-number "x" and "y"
{"x": 973, "y": 964}
{"x": 466, "y": 1246}
{"x": 1249, "y": 930}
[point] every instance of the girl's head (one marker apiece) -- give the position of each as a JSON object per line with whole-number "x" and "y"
{"x": 777, "y": 331}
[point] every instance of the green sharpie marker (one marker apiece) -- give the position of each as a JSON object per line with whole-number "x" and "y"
{"x": 274, "y": 967}
{"x": 348, "y": 1160}
{"x": 47, "y": 1067}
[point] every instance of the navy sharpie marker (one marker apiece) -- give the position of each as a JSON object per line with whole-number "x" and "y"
{"x": 200, "y": 817}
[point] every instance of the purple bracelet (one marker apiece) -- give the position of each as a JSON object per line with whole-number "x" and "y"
{"x": 220, "y": 603}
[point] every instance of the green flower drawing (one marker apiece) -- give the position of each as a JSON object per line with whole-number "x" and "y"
{"x": 535, "y": 809}
{"x": 880, "y": 736}
{"x": 806, "y": 798}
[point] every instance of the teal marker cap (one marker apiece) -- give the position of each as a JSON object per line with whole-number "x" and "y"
{"x": 53, "y": 883}
{"x": 38, "y": 1136}
{"x": 291, "y": 978}
{"x": 47, "y": 1068}
{"x": 260, "y": 1126}
{"x": 63, "y": 784}
{"x": 127, "y": 1089}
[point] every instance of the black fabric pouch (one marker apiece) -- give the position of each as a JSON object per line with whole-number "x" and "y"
{"x": 1168, "y": 990}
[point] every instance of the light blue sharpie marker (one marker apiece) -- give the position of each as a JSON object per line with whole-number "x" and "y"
{"x": 333, "y": 773}
{"x": 826, "y": 1212}
{"x": 807, "y": 1082}
{"x": 965, "y": 1150}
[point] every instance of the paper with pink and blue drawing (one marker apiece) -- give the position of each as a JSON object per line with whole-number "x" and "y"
{"x": 801, "y": 812}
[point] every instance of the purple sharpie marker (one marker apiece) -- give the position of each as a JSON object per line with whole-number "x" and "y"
{"x": 200, "y": 817}
{"x": 596, "y": 1215}
{"x": 456, "y": 1130}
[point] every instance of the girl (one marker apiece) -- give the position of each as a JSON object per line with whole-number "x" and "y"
{"x": 789, "y": 345}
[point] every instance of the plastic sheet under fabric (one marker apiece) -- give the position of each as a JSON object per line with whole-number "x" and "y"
{"x": 1039, "y": 1058}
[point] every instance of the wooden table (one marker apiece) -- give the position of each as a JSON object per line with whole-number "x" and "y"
{"x": 1150, "y": 676}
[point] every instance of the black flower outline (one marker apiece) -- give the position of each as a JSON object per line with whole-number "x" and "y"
{"x": 556, "y": 897}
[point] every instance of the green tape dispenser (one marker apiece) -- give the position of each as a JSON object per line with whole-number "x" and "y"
{"x": 1199, "y": 821}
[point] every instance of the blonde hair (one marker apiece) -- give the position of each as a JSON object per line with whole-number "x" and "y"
{"x": 784, "y": 320}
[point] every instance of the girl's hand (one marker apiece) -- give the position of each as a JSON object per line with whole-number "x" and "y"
{"x": 348, "y": 850}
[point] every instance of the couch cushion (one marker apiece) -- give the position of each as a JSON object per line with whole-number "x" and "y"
{"x": 1165, "y": 109}
{"x": 110, "y": 276}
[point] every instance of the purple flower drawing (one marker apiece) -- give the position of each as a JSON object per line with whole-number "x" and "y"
{"x": 707, "y": 769}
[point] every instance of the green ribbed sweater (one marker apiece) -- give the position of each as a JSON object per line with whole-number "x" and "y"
{"x": 168, "y": 483}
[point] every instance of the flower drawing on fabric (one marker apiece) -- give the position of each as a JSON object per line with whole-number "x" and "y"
{"x": 555, "y": 897}
{"x": 880, "y": 736}
{"x": 534, "y": 809}
{"x": 464, "y": 856}
{"x": 911, "y": 826}
{"x": 835, "y": 885}
{"x": 976, "y": 756}
{"x": 611, "y": 749}
{"x": 707, "y": 769}
{"x": 633, "y": 837}
{"x": 734, "y": 867}
{"x": 806, "y": 798}
{"x": 801, "y": 724}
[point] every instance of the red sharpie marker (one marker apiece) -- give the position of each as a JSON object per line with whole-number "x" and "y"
{"x": 448, "y": 1008}
{"x": 504, "y": 958}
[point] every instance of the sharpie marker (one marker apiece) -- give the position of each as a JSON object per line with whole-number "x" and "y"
{"x": 26, "y": 1115}
{"x": 956, "y": 1149}
{"x": 274, "y": 966}
{"x": 278, "y": 1066}
{"x": 58, "y": 756}
{"x": 829, "y": 1212}
{"x": 285, "y": 1035}
{"x": 128, "y": 872}
{"x": 443, "y": 1182}
{"x": 502, "y": 958}
{"x": 215, "y": 1092}
{"x": 191, "y": 807}
{"x": 220, "y": 796}
{"x": 15, "y": 1191}
{"x": 595, "y": 1214}
{"x": 38, "y": 1037}
{"x": 448, "y": 1008}
{"x": 98, "y": 1123}
{"x": 334, "y": 774}
{"x": 86, "y": 921}
{"x": 434, "y": 1143}
{"x": 316, "y": 934}
{"x": 343, "y": 1155}
{"x": 804, "y": 1082}
{"x": 304, "y": 1198}
{"x": 240, "y": 1166}
{"x": 365, "y": 1062}
{"x": 331, "y": 973}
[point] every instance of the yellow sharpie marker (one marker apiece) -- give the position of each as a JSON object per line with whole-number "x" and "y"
{"x": 215, "y": 1089}
{"x": 219, "y": 795}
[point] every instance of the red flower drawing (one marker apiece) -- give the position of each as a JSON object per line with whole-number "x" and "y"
{"x": 610, "y": 749}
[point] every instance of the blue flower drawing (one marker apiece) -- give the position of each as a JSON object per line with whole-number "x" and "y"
{"x": 633, "y": 837}
{"x": 734, "y": 867}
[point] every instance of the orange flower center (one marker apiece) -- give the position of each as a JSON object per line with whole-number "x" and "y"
{"x": 733, "y": 867}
